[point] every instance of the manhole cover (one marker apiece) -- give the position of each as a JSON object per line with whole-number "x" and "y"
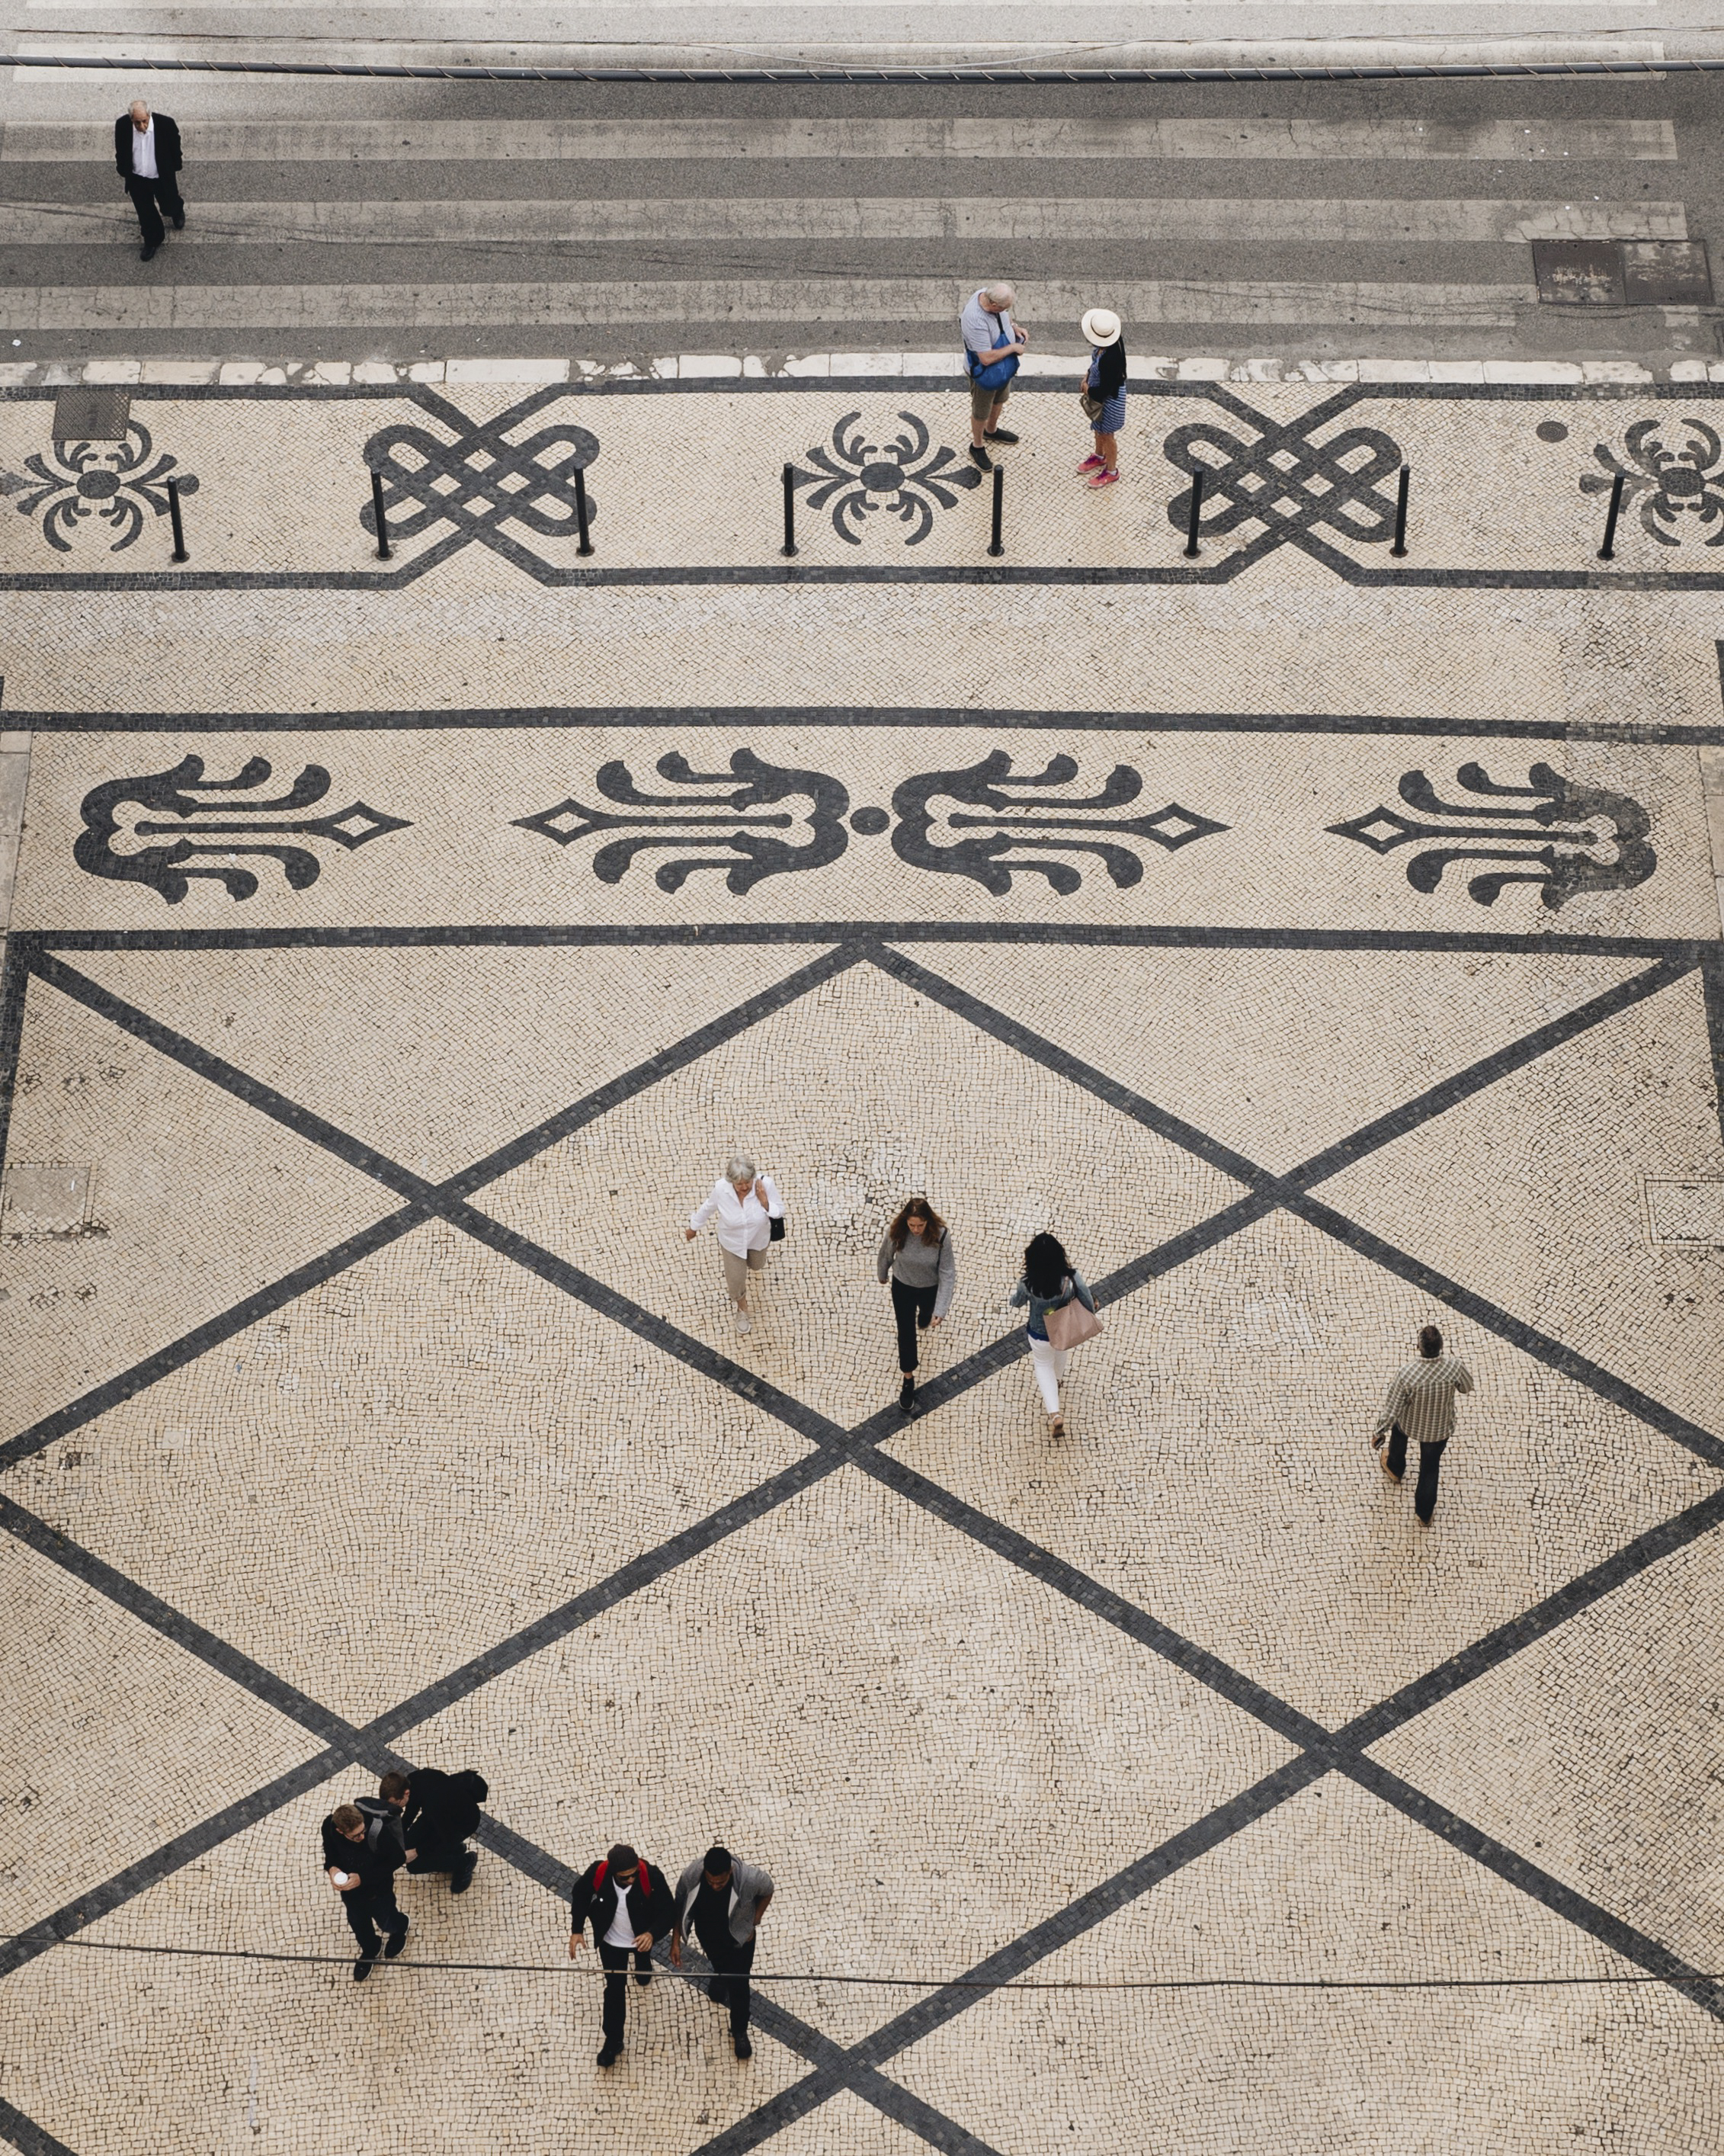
{"x": 1666, "y": 273}
{"x": 45, "y": 1200}
{"x": 91, "y": 415}
{"x": 1578, "y": 273}
{"x": 1686, "y": 1213}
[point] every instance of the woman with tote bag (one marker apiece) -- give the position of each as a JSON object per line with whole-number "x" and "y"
{"x": 1062, "y": 1312}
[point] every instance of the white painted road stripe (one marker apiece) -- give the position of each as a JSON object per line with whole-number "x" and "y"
{"x": 854, "y": 301}
{"x": 771, "y": 218}
{"x": 460, "y": 142}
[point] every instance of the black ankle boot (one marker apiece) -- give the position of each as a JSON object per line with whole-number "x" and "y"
{"x": 906, "y": 1397}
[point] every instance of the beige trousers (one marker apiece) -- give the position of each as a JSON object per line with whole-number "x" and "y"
{"x": 736, "y": 1272}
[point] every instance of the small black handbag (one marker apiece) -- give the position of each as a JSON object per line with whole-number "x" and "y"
{"x": 775, "y": 1228}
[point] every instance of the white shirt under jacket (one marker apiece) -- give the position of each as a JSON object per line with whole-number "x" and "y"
{"x": 741, "y": 1221}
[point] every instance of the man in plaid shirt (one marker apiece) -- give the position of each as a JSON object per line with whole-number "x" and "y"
{"x": 1420, "y": 1406}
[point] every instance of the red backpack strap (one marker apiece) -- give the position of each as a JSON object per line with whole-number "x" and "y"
{"x": 646, "y": 1877}
{"x": 599, "y": 1870}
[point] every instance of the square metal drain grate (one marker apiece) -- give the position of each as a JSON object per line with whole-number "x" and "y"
{"x": 91, "y": 415}
{"x": 1666, "y": 273}
{"x": 1579, "y": 273}
{"x": 1622, "y": 273}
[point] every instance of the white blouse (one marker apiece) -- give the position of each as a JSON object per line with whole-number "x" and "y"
{"x": 741, "y": 1221}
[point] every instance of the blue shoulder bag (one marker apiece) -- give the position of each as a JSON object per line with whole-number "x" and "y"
{"x": 997, "y": 373}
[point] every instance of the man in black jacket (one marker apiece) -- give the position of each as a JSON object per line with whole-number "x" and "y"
{"x": 147, "y": 151}
{"x": 361, "y": 1855}
{"x": 630, "y": 1905}
{"x": 438, "y": 1812}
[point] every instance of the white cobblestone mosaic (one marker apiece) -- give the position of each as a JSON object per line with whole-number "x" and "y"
{"x": 398, "y": 952}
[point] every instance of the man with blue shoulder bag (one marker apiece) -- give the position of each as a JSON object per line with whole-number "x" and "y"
{"x": 993, "y": 344}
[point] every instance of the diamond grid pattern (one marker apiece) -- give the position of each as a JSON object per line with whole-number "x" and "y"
{"x": 841, "y": 2074}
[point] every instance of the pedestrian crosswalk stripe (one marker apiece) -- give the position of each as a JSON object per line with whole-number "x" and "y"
{"x": 775, "y": 217}
{"x": 159, "y": 307}
{"x": 344, "y": 141}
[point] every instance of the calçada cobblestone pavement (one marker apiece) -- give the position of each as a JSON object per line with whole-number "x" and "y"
{"x": 1324, "y": 943}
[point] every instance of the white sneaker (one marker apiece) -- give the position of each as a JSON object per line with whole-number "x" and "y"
{"x": 743, "y": 1323}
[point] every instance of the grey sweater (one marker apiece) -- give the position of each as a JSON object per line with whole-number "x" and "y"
{"x": 918, "y": 1266}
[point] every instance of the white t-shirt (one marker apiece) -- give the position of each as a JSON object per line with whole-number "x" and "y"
{"x": 622, "y": 1930}
{"x": 143, "y": 151}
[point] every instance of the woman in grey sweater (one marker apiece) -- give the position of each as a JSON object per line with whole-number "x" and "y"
{"x": 917, "y": 1259}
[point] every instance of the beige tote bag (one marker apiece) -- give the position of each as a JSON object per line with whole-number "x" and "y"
{"x": 1071, "y": 1324}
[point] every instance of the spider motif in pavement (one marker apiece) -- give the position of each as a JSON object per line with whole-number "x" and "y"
{"x": 898, "y": 477}
{"x": 105, "y": 479}
{"x": 1678, "y": 479}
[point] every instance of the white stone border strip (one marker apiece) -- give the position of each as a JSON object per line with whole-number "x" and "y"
{"x": 718, "y": 366}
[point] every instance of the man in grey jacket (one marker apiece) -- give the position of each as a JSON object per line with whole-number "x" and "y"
{"x": 721, "y": 1900}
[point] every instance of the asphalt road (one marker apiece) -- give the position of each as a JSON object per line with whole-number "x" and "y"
{"x": 386, "y": 219}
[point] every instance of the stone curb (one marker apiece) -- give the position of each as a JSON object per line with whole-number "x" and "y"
{"x": 717, "y": 367}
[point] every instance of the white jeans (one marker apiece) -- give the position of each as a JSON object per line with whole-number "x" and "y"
{"x": 1050, "y": 1365}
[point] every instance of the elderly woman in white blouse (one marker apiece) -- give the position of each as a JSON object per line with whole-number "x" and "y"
{"x": 745, "y": 1204}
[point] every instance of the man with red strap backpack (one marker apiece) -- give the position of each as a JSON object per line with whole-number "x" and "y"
{"x": 630, "y": 1906}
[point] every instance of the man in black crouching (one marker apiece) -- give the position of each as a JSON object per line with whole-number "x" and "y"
{"x": 438, "y": 1812}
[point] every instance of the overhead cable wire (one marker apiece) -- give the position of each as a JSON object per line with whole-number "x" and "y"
{"x": 703, "y": 1975}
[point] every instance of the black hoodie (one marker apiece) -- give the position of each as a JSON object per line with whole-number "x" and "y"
{"x": 443, "y": 1808}
{"x": 358, "y": 1858}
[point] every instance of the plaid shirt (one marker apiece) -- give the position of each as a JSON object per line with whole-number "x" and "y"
{"x": 1422, "y": 1398}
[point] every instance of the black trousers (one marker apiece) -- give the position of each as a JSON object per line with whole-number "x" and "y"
{"x": 1430, "y": 1465}
{"x": 616, "y": 1986}
{"x": 145, "y": 194}
{"x": 914, "y": 1309}
{"x": 437, "y": 1855}
{"x": 731, "y": 1964}
{"x": 366, "y": 1907}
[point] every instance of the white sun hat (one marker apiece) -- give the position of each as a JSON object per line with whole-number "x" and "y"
{"x": 1101, "y": 326}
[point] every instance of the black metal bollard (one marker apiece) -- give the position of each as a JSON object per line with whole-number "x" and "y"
{"x": 1399, "y": 547}
{"x": 1607, "y": 552}
{"x": 377, "y": 510}
{"x": 996, "y": 545}
{"x": 173, "y": 514}
{"x": 789, "y": 510}
{"x": 586, "y": 545}
{"x": 1197, "y": 510}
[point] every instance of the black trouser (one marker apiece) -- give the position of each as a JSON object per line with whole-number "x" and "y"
{"x": 145, "y": 194}
{"x": 731, "y": 1964}
{"x": 438, "y": 1856}
{"x": 366, "y": 1907}
{"x": 914, "y": 1309}
{"x": 616, "y": 1986}
{"x": 1430, "y": 1465}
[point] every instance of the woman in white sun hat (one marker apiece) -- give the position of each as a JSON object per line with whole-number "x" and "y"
{"x": 1104, "y": 395}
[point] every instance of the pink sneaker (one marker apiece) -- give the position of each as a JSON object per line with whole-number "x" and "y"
{"x": 1104, "y": 478}
{"x": 1090, "y": 464}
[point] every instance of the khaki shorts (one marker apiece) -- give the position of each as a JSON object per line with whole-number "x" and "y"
{"x": 985, "y": 403}
{"x": 736, "y": 1272}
